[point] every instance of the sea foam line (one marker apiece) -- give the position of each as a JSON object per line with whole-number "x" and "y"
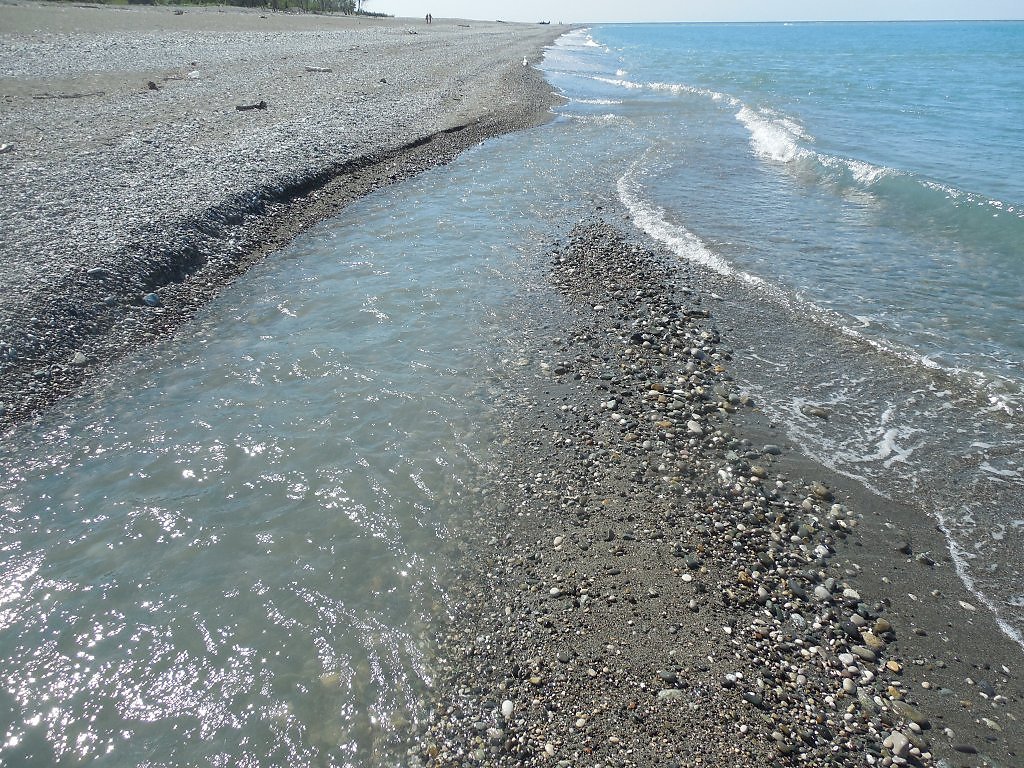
{"x": 654, "y": 220}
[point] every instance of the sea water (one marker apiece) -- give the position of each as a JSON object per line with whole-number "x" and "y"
{"x": 234, "y": 549}
{"x": 855, "y": 192}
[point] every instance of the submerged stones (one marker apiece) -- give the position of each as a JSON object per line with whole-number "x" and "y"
{"x": 699, "y": 594}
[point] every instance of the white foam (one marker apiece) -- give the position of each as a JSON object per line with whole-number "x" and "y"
{"x": 606, "y": 118}
{"x": 653, "y": 220}
{"x": 772, "y": 139}
{"x": 598, "y": 102}
{"x": 619, "y": 82}
{"x": 960, "y": 563}
{"x": 675, "y": 88}
{"x": 986, "y": 467}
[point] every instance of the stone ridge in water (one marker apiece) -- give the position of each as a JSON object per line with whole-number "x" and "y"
{"x": 651, "y": 593}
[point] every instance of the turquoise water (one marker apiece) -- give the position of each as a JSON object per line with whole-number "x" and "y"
{"x": 874, "y": 169}
{"x": 233, "y": 551}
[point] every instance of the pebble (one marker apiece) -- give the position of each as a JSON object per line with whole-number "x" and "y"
{"x": 152, "y": 300}
{"x": 816, "y": 410}
{"x": 898, "y": 744}
{"x": 507, "y": 708}
{"x": 865, "y": 653}
{"x": 908, "y": 713}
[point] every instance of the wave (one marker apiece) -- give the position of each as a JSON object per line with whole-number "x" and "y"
{"x": 984, "y": 224}
{"x": 676, "y": 88}
{"x": 653, "y": 220}
{"x": 1000, "y": 393}
{"x": 598, "y": 102}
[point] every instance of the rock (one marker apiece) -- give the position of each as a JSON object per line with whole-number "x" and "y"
{"x": 753, "y": 698}
{"x": 694, "y": 428}
{"x": 671, "y": 694}
{"x": 507, "y": 708}
{"x": 152, "y": 300}
{"x": 821, "y": 592}
{"x": 816, "y": 411}
{"x": 822, "y": 491}
{"x": 874, "y": 642}
{"x": 908, "y": 713}
{"x": 79, "y": 360}
{"x": 882, "y": 627}
{"x": 865, "y": 653}
{"x": 966, "y": 749}
{"x": 898, "y": 744}
{"x": 772, "y": 450}
{"x": 901, "y": 543}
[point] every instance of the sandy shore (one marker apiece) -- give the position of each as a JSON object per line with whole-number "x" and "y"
{"x": 665, "y": 581}
{"x": 133, "y": 188}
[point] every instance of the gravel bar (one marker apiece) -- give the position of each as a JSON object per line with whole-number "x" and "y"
{"x": 149, "y": 155}
{"x": 659, "y": 579}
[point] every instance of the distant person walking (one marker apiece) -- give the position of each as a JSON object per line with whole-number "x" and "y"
{"x": 430, "y": 18}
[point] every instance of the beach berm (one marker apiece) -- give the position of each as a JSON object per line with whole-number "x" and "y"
{"x": 150, "y": 155}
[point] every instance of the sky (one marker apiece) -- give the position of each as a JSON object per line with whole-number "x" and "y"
{"x": 703, "y": 10}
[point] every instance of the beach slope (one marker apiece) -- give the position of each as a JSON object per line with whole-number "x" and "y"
{"x": 151, "y": 154}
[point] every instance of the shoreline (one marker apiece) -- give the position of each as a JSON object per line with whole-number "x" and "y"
{"x": 615, "y": 595}
{"x": 664, "y": 579}
{"x": 156, "y": 228}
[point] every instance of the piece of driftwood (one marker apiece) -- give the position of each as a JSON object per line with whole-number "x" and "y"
{"x": 247, "y": 107}
{"x": 67, "y": 95}
{"x": 319, "y": 69}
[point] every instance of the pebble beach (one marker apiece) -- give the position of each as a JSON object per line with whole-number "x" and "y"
{"x": 669, "y": 583}
{"x": 133, "y": 186}
{"x": 655, "y": 575}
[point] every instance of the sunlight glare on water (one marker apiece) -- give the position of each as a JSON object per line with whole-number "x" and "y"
{"x": 233, "y": 554}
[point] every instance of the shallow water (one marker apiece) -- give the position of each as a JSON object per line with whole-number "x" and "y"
{"x": 232, "y": 552}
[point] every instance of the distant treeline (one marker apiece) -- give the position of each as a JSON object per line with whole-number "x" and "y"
{"x": 309, "y": 6}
